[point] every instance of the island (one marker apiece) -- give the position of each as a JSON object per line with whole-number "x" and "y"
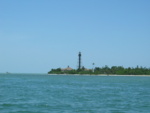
{"x": 106, "y": 70}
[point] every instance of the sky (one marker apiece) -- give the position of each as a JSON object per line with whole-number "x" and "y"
{"x": 38, "y": 35}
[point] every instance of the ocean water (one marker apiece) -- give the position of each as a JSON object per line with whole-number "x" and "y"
{"x": 39, "y": 93}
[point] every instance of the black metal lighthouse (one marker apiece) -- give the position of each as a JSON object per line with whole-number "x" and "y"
{"x": 79, "y": 67}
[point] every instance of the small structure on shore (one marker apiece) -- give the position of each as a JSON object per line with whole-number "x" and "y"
{"x": 67, "y": 69}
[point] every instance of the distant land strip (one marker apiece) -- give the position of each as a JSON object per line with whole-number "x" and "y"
{"x": 114, "y": 70}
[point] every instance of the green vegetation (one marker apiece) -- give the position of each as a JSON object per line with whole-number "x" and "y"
{"x": 114, "y": 70}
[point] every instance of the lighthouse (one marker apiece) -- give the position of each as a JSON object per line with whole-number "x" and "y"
{"x": 79, "y": 66}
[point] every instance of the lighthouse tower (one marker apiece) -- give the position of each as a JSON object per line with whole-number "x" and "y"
{"x": 79, "y": 66}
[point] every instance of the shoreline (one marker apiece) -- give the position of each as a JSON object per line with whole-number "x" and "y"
{"x": 97, "y": 75}
{"x": 70, "y": 74}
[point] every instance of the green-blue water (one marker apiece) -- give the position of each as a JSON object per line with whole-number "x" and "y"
{"x": 32, "y": 93}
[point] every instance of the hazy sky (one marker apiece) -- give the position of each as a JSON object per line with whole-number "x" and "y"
{"x": 37, "y": 35}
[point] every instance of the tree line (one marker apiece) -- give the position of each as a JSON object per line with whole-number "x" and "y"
{"x": 114, "y": 70}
